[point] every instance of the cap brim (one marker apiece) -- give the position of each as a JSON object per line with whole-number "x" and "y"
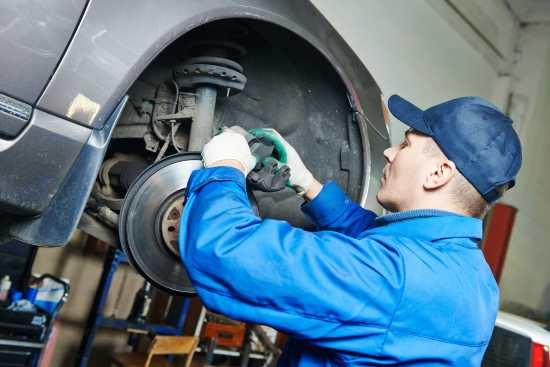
{"x": 408, "y": 114}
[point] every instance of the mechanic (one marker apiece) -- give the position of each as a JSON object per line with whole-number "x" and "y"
{"x": 410, "y": 288}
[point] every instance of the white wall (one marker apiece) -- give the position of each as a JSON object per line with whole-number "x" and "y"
{"x": 411, "y": 50}
{"x": 526, "y": 276}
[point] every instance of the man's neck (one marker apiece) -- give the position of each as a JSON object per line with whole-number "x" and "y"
{"x": 441, "y": 205}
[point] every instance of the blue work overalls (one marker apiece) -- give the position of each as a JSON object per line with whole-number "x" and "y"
{"x": 407, "y": 289}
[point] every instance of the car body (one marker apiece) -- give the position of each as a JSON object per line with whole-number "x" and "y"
{"x": 70, "y": 66}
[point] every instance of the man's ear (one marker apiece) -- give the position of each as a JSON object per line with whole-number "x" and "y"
{"x": 441, "y": 174}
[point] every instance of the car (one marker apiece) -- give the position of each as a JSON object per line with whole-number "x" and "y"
{"x": 518, "y": 342}
{"x": 98, "y": 99}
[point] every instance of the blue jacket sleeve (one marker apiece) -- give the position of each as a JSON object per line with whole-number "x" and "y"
{"x": 333, "y": 210}
{"x": 265, "y": 271}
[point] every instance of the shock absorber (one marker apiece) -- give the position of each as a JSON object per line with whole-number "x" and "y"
{"x": 210, "y": 72}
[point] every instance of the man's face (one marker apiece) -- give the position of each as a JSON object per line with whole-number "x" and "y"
{"x": 404, "y": 174}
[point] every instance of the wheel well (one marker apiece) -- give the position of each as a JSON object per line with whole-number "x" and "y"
{"x": 290, "y": 86}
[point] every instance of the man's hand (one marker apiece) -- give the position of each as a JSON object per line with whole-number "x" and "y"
{"x": 228, "y": 149}
{"x": 301, "y": 178}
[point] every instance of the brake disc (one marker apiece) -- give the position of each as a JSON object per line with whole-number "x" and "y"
{"x": 149, "y": 221}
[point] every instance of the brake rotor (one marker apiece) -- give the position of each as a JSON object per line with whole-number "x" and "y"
{"x": 149, "y": 221}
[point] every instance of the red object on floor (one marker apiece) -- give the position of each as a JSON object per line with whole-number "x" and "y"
{"x": 497, "y": 235}
{"x": 226, "y": 335}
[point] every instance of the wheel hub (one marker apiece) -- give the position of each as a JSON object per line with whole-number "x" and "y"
{"x": 170, "y": 223}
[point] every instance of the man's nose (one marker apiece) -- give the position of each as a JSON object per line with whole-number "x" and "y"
{"x": 389, "y": 154}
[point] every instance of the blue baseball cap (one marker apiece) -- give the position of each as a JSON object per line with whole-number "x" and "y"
{"x": 474, "y": 134}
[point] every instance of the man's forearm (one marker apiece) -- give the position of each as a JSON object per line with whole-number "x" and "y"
{"x": 313, "y": 190}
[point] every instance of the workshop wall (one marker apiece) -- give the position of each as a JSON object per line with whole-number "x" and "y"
{"x": 411, "y": 50}
{"x": 526, "y": 274}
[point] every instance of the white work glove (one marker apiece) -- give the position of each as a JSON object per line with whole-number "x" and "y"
{"x": 300, "y": 177}
{"x": 229, "y": 145}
